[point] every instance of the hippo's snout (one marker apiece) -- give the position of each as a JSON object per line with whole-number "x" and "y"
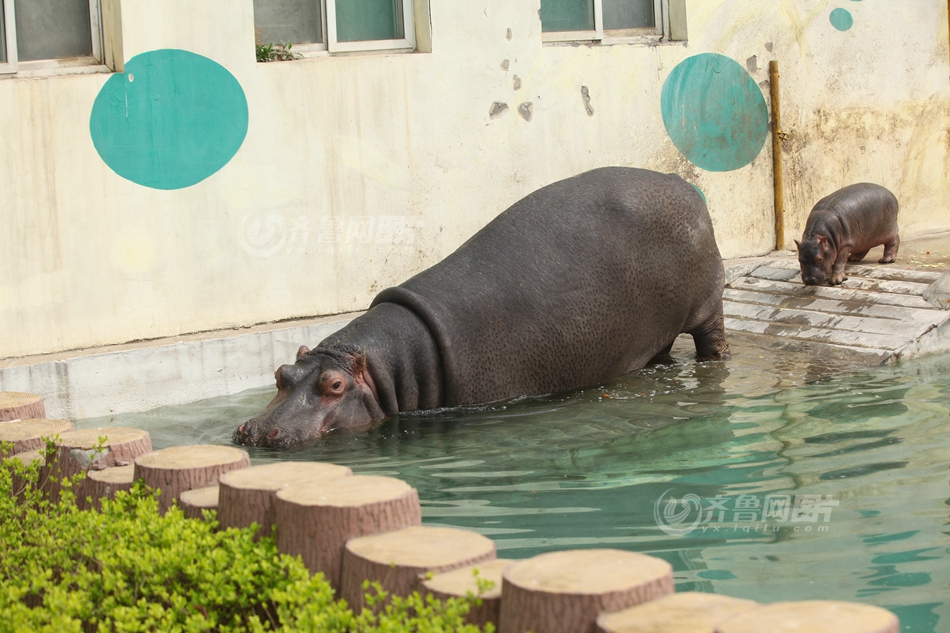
{"x": 251, "y": 433}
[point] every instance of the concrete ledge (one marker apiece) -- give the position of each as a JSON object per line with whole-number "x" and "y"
{"x": 142, "y": 376}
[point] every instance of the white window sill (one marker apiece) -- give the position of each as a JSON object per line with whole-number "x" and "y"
{"x": 56, "y": 68}
{"x": 314, "y": 53}
{"x": 640, "y": 40}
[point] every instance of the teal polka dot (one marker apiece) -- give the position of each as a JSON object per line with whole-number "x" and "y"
{"x": 841, "y": 19}
{"x": 700, "y": 193}
{"x": 169, "y": 121}
{"x": 714, "y": 112}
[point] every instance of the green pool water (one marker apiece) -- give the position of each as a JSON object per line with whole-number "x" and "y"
{"x": 680, "y": 460}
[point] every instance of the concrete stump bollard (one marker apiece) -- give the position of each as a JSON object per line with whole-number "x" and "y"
{"x": 248, "y": 496}
{"x": 566, "y": 591}
{"x": 31, "y": 434}
{"x": 814, "y": 616}
{"x": 176, "y": 469}
{"x": 80, "y": 451}
{"x": 397, "y": 559}
{"x": 103, "y": 484}
{"x": 16, "y": 405}
{"x": 688, "y": 612}
{"x": 316, "y": 521}
{"x": 458, "y": 583}
{"x": 194, "y": 502}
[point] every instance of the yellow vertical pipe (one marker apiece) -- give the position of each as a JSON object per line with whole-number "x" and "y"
{"x": 777, "y": 135}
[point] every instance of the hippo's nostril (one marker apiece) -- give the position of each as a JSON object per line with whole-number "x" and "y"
{"x": 273, "y": 434}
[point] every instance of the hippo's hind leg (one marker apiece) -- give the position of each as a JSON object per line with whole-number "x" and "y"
{"x": 890, "y": 250}
{"x": 710, "y": 337}
{"x": 663, "y": 353}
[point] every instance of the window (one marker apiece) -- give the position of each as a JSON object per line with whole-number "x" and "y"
{"x": 598, "y": 20}
{"x": 336, "y": 25}
{"x": 37, "y": 34}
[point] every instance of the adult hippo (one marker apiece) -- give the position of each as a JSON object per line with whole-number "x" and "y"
{"x": 576, "y": 284}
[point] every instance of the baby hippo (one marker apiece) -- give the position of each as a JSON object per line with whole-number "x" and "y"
{"x": 843, "y": 227}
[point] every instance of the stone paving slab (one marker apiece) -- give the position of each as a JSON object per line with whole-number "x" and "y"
{"x": 877, "y": 315}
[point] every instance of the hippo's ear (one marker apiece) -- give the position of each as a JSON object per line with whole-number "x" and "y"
{"x": 798, "y": 244}
{"x": 303, "y": 349}
{"x": 363, "y": 376}
{"x": 822, "y": 239}
{"x": 358, "y": 363}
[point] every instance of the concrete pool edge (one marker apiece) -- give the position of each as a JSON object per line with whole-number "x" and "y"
{"x": 148, "y": 374}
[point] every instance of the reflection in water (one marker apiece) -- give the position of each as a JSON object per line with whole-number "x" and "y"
{"x": 769, "y": 444}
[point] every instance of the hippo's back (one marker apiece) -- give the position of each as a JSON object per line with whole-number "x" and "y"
{"x": 874, "y": 207}
{"x": 577, "y": 283}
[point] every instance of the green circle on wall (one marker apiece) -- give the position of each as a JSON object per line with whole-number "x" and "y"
{"x": 841, "y": 19}
{"x": 714, "y": 112}
{"x": 170, "y": 120}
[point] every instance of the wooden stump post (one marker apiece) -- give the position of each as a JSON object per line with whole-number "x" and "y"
{"x": 247, "y": 496}
{"x": 80, "y": 451}
{"x": 458, "y": 583}
{"x": 316, "y": 521}
{"x": 179, "y": 468}
{"x": 194, "y": 502}
{"x": 16, "y": 405}
{"x": 566, "y": 591}
{"x": 103, "y": 484}
{"x": 397, "y": 559}
{"x": 688, "y": 612}
{"x": 814, "y": 616}
{"x": 29, "y": 435}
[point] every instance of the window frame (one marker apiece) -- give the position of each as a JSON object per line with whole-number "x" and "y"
{"x": 408, "y": 41}
{"x": 330, "y": 44}
{"x": 14, "y": 66}
{"x": 658, "y": 33}
{"x": 9, "y": 37}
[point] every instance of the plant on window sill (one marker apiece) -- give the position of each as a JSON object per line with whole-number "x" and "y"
{"x": 276, "y": 53}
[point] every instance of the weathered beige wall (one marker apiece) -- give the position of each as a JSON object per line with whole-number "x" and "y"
{"x": 88, "y": 258}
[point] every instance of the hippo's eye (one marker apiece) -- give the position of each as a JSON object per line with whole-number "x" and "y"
{"x": 819, "y": 259}
{"x": 332, "y": 384}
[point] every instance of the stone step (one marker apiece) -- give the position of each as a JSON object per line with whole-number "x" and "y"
{"x": 875, "y": 272}
{"x": 822, "y": 335}
{"x": 854, "y": 281}
{"x": 834, "y": 306}
{"x": 844, "y": 292}
{"x": 828, "y": 320}
{"x": 878, "y": 314}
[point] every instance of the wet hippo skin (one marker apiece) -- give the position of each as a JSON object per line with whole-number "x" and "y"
{"x": 578, "y": 283}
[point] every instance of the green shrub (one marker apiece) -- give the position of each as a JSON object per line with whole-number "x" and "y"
{"x": 128, "y": 568}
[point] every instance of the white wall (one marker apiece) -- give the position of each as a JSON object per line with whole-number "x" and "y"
{"x": 88, "y": 258}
